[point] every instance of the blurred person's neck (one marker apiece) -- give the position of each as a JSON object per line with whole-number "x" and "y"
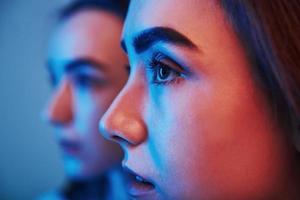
{"x": 87, "y": 188}
{"x": 110, "y": 185}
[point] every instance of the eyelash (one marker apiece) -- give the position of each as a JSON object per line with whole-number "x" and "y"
{"x": 156, "y": 64}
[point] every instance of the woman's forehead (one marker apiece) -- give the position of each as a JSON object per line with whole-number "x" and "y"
{"x": 190, "y": 17}
{"x": 169, "y": 11}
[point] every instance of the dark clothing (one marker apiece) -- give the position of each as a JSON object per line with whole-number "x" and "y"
{"x": 94, "y": 189}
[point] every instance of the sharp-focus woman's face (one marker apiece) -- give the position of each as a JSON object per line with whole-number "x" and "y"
{"x": 191, "y": 120}
{"x": 88, "y": 70}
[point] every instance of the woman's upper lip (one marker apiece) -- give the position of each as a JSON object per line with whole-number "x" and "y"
{"x": 131, "y": 170}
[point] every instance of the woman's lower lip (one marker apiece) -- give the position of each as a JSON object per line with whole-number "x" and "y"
{"x": 138, "y": 186}
{"x": 137, "y": 189}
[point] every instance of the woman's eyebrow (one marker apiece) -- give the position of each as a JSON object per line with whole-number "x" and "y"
{"x": 149, "y": 37}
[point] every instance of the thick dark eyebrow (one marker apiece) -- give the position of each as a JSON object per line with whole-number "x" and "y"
{"x": 149, "y": 37}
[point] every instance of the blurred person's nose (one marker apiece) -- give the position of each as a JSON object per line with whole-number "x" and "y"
{"x": 59, "y": 110}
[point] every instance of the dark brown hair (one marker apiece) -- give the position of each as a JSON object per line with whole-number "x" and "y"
{"x": 269, "y": 30}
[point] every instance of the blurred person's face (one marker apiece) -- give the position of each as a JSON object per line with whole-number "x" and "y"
{"x": 88, "y": 69}
{"x": 191, "y": 119}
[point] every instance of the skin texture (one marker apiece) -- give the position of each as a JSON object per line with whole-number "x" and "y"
{"x": 82, "y": 94}
{"x": 204, "y": 132}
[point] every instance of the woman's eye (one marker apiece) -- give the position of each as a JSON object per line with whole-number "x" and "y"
{"x": 163, "y": 74}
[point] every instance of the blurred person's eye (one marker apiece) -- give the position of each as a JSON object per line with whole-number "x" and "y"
{"x": 86, "y": 81}
{"x": 53, "y": 80}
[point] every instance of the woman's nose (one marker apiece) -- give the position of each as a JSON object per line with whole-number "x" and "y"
{"x": 59, "y": 109}
{"x": 123, "y": 121}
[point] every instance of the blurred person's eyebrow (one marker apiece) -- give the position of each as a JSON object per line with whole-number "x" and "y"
{"x": 149, "y": 37}
{"x": 73, "y": 65}
{"x": 76, "y": 64}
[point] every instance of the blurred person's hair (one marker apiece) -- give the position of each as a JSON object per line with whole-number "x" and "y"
{"x": 117, "y": 7}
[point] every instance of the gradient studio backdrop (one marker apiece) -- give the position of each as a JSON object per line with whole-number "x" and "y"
{"x": 29, "y": 158}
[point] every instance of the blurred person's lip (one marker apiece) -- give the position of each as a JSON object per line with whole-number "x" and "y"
{"x": 138, "y": 185}
{"x": 70, "y": 147}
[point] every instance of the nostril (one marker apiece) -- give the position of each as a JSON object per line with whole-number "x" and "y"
{"x": 119, "y": 139}
{"x": 116, "y": 138}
